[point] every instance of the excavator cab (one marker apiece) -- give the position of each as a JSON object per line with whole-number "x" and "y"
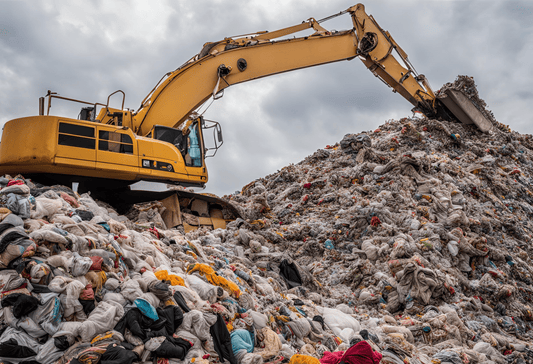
{"x": 190, "y": 139}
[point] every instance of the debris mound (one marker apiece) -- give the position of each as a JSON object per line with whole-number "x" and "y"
{"x": 407, "y": 244}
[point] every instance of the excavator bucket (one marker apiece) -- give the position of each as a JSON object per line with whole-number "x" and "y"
{"x": 464, "y": 110}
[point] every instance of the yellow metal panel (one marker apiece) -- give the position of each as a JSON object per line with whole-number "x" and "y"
{"x": 112, "y": 158}
{"x": 74, "y": 162}
{"x": 188, "y": 228}
{"x": 29, "y": 141}
{"x": 75, "y": 156}
{"x": 172, "y": 215}
{"x": 218, "y": 219}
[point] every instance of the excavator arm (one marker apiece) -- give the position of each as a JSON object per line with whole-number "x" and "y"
{"x": 232, "y": 61}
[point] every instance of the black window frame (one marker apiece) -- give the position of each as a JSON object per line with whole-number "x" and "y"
{"x": 125, "y": 145}
{"x": 75, "y": 135}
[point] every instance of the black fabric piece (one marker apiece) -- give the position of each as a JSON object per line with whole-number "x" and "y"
{"x": 17, "y": 264}
{"x": 173, "y": 348}
{"x": 85, "y": 215}
{"x": 157, "y": 333}
{"x": 159, "y": 324}
{"x": 178, "y": 297}
{"x": 127, "y": 345}
{"x": 136, "y": 322}
{"x": 222, "y": 340}
{"x": 11, "y": 349}
{"x": 88, "y": 306}
{"x": 22, "y": 304}
{"x": 298, "y": 302}
{"x": 173, "y": 316}
{"x": 40, "y": 288}
{"x": 30, "y": 362}
{"x": 139, "y": 324}
{"x": 9, "y": 236}
{"x": 3, "y": 327}
{"x": 118, "y": 355}
{"x": 42, "y": 340}
{"x": 4, "y": 226}
{"x": 61, "y": 343}
{"x": 354, "y": 341}
{"x": 290, "y": 274}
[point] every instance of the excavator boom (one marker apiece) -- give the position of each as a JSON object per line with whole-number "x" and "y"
{"x": 232, "y": 61}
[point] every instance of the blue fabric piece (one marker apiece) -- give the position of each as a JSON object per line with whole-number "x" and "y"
{"x": 329, "y": 244}
{"x": 146, "y": 308}
{"x": 241, "y": 340}
{"x": 105, "y": 226}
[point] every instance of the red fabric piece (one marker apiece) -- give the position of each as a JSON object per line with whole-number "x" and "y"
{"x": 88, "y": 293}
{"x": 361, "y": 353}
{"x": 154, "y": 231}
{"x": 331, "y": 358}
{"x": 97, "y": 263}
{"x": 15, "y": 182}
{"x": 71, "y": 200}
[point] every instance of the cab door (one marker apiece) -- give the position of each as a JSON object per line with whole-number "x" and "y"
{"x": 117, "y": 151}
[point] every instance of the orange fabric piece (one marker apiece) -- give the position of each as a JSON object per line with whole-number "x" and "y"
{"x": 175, "y": 280}
{"x": 209, "y": 273}
{"x": 303, "y": 359}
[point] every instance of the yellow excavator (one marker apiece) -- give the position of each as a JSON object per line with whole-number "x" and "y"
{"x": 106, "y": 148}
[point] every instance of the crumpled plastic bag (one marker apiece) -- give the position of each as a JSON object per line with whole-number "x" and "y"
{"x": 46, "y": 207}
{"x": 80, "y": 265}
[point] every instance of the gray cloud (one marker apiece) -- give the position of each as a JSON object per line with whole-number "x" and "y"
{"x": 87, "y": 50}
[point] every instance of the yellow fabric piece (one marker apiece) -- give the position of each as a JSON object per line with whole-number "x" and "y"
{"x": 303, "y": 359}
{"x": 103, "y": 276}
{"x": 209, "y": 273}
{"x": 102, "y": 337}
{"x": 4, "y": 211}
{"x": 175, "y": 280}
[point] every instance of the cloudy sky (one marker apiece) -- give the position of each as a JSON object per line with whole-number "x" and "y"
{"x": 88, "y": 49}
